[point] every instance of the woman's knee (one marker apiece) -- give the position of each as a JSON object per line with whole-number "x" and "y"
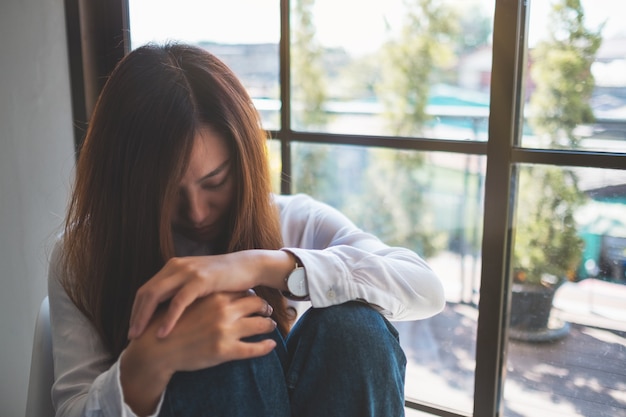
{"x": 351, "y": 319}
{"x": 347, "y": 329}
{"x": 350, "y": 352}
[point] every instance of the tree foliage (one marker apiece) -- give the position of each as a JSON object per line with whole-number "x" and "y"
{"x": 547, "y": 242}
{"x": 547, "y": 245}
{"x": 308, "y": 84}
{"x": 308, "y": 89}
{"x": 424, "y": 43}
{"x": 561, "y": 70}
{"x": 394, "y": 204}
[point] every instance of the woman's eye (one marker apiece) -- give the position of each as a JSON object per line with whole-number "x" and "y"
{"x": 214, "y": 185}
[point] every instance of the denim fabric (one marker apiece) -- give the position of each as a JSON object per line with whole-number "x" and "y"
{"x": 339, "y": 361}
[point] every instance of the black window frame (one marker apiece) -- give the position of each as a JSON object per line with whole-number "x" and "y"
{"x": 97, "y": 37}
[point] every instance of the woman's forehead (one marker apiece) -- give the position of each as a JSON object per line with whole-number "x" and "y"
{"x": 209, "y": 151}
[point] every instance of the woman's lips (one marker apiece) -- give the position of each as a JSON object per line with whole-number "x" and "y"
{"x": 198, "y": 233}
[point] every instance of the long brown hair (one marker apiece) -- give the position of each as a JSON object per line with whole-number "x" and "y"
{"x": 118, "y": 230}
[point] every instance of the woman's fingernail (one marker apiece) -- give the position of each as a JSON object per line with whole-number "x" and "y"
{"x": 270, "y": 310}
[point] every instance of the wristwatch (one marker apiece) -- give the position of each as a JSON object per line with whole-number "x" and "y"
{"x": 297, "y": 284}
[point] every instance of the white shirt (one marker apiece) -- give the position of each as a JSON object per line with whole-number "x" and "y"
{"x": 342, "y": 264}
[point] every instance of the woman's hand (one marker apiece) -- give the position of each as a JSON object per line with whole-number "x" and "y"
{"x": 183, "y": 280}
{"x": 211, "y": 330}
{"x": 209, "y": 333}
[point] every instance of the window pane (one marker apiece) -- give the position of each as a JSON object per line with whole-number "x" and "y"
{"x": 402, "y": 68}
{"x": 567, "y": 343}
{"x": 431, "y": 203}
{"x": 243, "y": 33}
{"x": 273, "y": 148}
{"x": 576, "y": 78}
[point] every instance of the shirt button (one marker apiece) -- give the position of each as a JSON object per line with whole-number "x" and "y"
{"x": 330, "y": 294}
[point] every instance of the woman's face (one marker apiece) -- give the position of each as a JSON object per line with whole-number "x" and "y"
{"x": 206, "y": 189}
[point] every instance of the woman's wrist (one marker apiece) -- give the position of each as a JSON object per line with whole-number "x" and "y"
{"x": 274, "y": 266}
{"x": 143, "y": 375}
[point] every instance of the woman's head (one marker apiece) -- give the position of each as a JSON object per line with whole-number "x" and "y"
{"x": 155, "y": 106}
{"x": 167, "y": 117}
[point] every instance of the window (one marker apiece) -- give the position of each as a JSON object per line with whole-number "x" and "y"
{"x": 445, "y": 126}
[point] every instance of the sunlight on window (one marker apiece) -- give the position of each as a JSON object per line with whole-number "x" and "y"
{"x": 576, "y": 77}
{"x": 423, "y": 69}
{"x": 402, "y": 68}
{"x": 567, "y": 309}
{"x": 569, "y": 292}
{"x": 433, "y": 207}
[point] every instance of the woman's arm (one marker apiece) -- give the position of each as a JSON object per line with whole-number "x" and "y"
{"x": 344, "y": 263}
{"x": 209, "y": 333}
{"x": 86, "y": 375}
{"x": 90, "y": 382}
{"x": 186, "y": 279}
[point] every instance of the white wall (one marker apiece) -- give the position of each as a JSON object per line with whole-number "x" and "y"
{"x": 36, "y": 158}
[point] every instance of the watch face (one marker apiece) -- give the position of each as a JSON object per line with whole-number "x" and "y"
{"x": 297, "y": 283}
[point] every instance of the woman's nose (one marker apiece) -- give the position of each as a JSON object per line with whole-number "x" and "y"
{"x": 197, "y": 209}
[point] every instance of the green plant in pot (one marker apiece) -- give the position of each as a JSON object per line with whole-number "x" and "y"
{"x": 547, "y": 248}
{"x": 546, "y": 245}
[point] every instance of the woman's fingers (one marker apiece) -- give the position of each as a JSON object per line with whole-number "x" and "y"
{"x": 241, "y": 347}
{"x": 249, "y": 304}
{"x": 143, "y": 308}
{"x": 183, "y": 299}
{"x": 254, "y": 305}
{"x": 217, "y": 328}
{"x": 253, "y": 326}
{"x": 184, "y": 280}
{"x": 246, "y": 350}
{"x": 173, "y": 278}
{"x": 181, "y": 283}
{"x": 147, "y": 299}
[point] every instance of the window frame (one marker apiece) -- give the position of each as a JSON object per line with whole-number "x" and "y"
{"x": 97, "y": 37}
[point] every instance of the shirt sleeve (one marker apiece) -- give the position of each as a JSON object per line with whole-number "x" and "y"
{"x": 86, "y": 377}
{"x": 344, "y": 263}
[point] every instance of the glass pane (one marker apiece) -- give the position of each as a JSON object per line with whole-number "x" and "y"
{"x": 402, "y": 68}
{"x": 273, "y": 148}
{"x": 243, "y": 33}
{"x": 576, "y": 77}
{"x": 567, "y": 344}
{"x": 431, "y": 203}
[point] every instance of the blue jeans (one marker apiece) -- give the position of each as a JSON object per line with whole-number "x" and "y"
{"x": 339, "y": 361}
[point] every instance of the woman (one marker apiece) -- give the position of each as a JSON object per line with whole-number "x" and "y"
{"x": 167, "y": 290}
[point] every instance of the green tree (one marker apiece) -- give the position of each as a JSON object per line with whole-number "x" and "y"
{"x": 308, "y": 84}
{"x": 475, "y": 28}
{"x": 547, "y": 246}
{"x": 311, "y": 170}
{"x": 359, "y": 79}
{"x": 561, "y": 70}
{"x": 394, "y": 206}
{"x": 425, "y": 43}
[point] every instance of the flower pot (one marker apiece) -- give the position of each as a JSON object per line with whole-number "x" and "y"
{"x": 531, "y": 306}
{"x": 530, "y": 319}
